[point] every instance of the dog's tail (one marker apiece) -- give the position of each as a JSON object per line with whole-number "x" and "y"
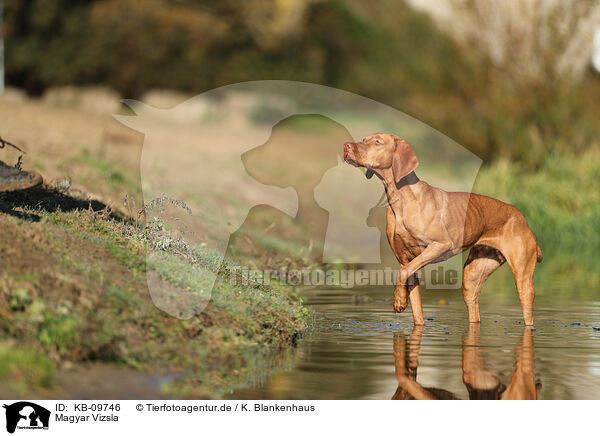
{"x": 540, "y": 256}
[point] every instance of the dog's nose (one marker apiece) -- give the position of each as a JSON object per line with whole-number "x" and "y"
{"x": 347, "y": 145}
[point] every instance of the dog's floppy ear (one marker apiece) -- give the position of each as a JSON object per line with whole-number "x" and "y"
{"x": 405, "y": 160}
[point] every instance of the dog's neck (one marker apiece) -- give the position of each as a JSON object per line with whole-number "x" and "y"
{"x": 398, "y": 191}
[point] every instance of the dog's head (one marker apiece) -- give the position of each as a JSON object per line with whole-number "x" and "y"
{"x": 381, "y": 151}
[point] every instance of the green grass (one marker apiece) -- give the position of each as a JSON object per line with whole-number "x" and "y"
{"x": 561, "y": 200}
{"x": 561, "y": 203}
{"x": 109, "y": 170}
{"x": 25, "y": 370}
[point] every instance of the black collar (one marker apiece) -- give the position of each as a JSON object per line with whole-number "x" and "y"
{"x": 409, "y": 179}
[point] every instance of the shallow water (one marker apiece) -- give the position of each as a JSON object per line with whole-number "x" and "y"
{"x": 364, "y": 351}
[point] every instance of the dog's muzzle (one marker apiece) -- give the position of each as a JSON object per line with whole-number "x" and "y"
{"x": 350, "y": 158}
{"x": 349, "y": 154}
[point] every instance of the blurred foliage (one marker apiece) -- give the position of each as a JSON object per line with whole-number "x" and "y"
{"x": 384, "y": 50}
{"x": 561, "y": 201}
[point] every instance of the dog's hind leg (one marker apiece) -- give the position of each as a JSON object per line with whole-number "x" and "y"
{"x": 524, "y": 282}
{"x": 522, "y": 255}
{"x": 483, "y": 260}
{"x": 522, "y": 261}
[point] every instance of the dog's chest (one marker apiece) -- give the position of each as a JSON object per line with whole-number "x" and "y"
{"x": 405, "y": 243}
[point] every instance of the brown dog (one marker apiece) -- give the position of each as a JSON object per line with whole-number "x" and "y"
{"x": 428, "y": 225}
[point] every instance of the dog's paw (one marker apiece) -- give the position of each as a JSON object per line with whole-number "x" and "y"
{"x": 399, "y": 307}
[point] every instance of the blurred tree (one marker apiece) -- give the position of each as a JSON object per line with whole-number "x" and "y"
{"x": 186, "y": 44}
{"x": 509, "y": 104}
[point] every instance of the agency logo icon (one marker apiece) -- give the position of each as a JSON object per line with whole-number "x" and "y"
{"x": 259, "y": 165}
{"x": 26, "y": 415}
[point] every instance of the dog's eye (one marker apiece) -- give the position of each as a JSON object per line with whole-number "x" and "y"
{"x": 379, "y": 141}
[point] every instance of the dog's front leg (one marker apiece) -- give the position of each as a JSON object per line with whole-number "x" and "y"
{"x": 431, "y": 253}
{"x": 414, "y": 294}
{"x": 404, "y": 292}
{"x": 407, "y": 284}
{"x": 400, "y": 295}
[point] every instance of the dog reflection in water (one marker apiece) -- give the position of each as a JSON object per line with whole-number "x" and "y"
{"x": 481, "y": 384}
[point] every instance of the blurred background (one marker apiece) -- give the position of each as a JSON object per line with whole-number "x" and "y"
{"x": 512, "y": 80}
{"x": 513, "y": 83}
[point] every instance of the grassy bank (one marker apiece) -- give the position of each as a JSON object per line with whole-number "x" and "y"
{"x": 73, "y": 291}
